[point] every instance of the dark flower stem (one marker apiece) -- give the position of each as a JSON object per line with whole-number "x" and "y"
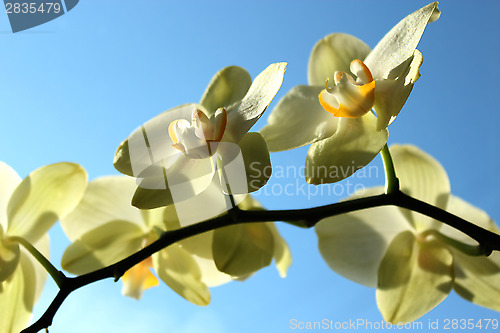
{"x": 305, "y": 218}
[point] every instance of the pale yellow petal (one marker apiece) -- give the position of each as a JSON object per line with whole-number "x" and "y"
{"x": 477, "y": 279}
{"x": 470, "y": 213}
{"x": 46, "y": 195}
{"x": 334, "y": 53}
{"x": 14, "y": 312}
{"x": 413, "y": 278}
{"x": 244, "y": 114}
{"x": 399, "y": 44}
{"x": 353, "y": 244}
{"x": 9, "y": 180}
{"x": 103, "y": 246}
{"x": 179, "y": 270}
{"x": 242, "y": 249}
{"x": 228, "y": 86}
{"x": 422, "y": 177}
{"x": 298, "y": 119}
{"x": 106, "y": 199}
{"x": 355, "y": 144}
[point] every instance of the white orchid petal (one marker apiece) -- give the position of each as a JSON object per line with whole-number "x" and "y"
{"x": 46, "y": 195}
{"x": 180, "y": 271}
{"x": 470, "y": 213}
{"x": 244, "y": 114}
{"x": 334, "y": 53}
{"x": 9, "y": 180}
{"x": 413, "y": 278}
{"x": 300, "y": 113}
{"x": 353, "y": 244}
{"x": 106, "y": 199}
{"x": 355, "y": 144}
{"x": 400, "y": 43}
{"x": 227, "y": 87}
{"x": 422, "y": 177}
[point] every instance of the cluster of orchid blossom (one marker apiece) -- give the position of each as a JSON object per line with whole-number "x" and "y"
{"x": 192, "y": 163}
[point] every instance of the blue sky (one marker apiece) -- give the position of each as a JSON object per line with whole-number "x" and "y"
{"x": 74, "y": 88}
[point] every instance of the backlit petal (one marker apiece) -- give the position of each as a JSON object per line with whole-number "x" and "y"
{"x": 353, "y": 146}
{"x": 244, "y": 114}
{"x": 180, "y": 271}
{"x": 47, "y": 194}
{"x": 227, "y": 87}
{"x": 413, "y": 278}
{"x": 477, "y": 279}
{"x": 298, "y": 112}
{"x": 353, "y": 244}
{"x": 422, "y": 177}
{"x": 139, "y": 278}
{"x": 9, "y": 180}
{"x": 334, "y": 53}
{"x": 106, "y": 199}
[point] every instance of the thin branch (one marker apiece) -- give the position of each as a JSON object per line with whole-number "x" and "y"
{"x": 306, "y": 218}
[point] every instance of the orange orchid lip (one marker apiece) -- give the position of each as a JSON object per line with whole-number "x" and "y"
{"x": 139, "y": 278}
{"x": 350, "y": 98}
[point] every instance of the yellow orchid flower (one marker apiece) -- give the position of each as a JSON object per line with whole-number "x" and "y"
{"x": 347, "y": 136}
{"x": 412, "y": 260}
{"x": 179, "y": 153}
{"x": 28, "y": 209}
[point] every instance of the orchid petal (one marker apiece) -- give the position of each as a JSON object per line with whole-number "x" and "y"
{"x": 399, "y": 44}
{"x": 413, "y": 278}
{"x": 298, "y": 113}
{"x": 179, "y": 270}
{"x": 17, "y": 297}
{"x": 477, "y": 279}
{"x": 242, "y": 249}
{"x": 10, "y": 254}
{"x": 208, "y": 204}
{"x": 334, "y": 53}
{"x": 465, "y": 210}
{"x": 257, "y": 161}
{"x": 106, "y": 199}
{"x": 149, "y": 144}
{"x": 244, "y": 114}
{"x": 210, "y": 275}
{"x": 187, "y": 177}
{"x": 422, "y": 177}
{"x": 353, "y": 244}
{"x": 391, "y": 94}
{"x": 9, "y": 180}
{"x": 47, "y": 194}
{"x": 282, "y": 255}
{"x": 394, "y": 63}
{"x": 139, "y": 278}
{"x": 102, "y": 246}
{"x": 355, "y": 143}
{"x": 227, "y": 87}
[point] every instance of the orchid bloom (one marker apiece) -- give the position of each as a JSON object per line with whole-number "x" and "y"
{"x": 179, "y": 153}
{"x": 28, "y": 209}
{"x": 412, "y": 260}
{"x": 334, "y": 115}
{"x": 104, "y": 228}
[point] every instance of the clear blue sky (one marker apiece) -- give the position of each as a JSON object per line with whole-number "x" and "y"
{"x": 74, "y": 88}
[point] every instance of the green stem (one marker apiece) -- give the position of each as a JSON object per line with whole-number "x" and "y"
{"x": 56, "y": 274}
{"x": 391, "y": 181}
